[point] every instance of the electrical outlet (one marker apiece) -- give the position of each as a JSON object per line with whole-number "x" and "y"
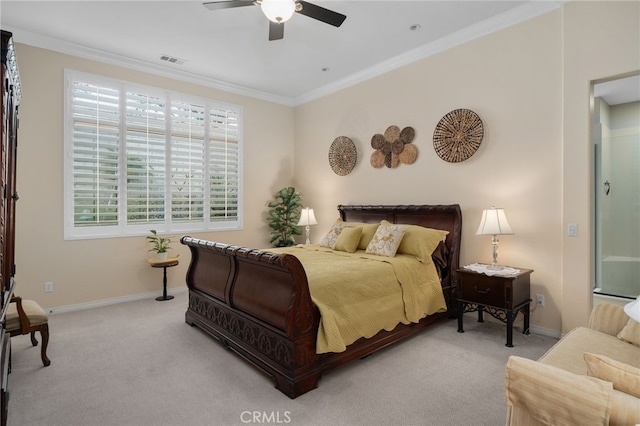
{"x": 540, "y": 300}
{"x": 572, "y": 230}
{"x": 48, "y": 287}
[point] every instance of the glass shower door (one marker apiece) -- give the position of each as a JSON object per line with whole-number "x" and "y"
{"x": 617, "y": 200}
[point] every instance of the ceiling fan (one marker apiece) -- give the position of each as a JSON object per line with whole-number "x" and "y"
{"x": 280, "y": 11}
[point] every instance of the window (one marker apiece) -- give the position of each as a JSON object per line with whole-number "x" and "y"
{"x": 140, "y": 158}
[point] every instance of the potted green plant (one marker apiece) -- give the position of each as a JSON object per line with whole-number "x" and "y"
{"x": 161, "y": 245}
{"x": 283, "y": 217}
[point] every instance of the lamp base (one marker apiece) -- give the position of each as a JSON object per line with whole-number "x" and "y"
{"x": 495, "y": 267}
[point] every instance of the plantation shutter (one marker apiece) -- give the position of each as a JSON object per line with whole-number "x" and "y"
{"x": 146, "y": 159}
{"x": 140, "y": 158}
{"x": 224, "y": 164}
{"x": 96, "y": 154}
{"x": 187, "y": 162}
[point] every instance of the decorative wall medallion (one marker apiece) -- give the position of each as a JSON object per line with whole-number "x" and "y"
{"x": 342, "y": 155}
{"x": 394, "y": 147}
{"x": 458, "y": 135}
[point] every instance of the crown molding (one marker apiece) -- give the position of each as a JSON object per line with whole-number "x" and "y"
{"x": 507, "y": 19}
{"x": 73, "y": 49}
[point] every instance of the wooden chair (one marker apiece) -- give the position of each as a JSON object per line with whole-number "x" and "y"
{"x": 27, "y": 317}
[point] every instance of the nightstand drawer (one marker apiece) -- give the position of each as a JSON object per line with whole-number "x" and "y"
{"x": 485, "y": 291}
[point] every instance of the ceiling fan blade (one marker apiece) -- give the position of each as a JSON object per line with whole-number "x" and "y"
{"x": 321, "y": 14}
{"x": 276, "y": 31}
{"x": 227, "y": 4}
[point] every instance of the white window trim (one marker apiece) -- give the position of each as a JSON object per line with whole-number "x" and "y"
{"x": 71, "y": 232}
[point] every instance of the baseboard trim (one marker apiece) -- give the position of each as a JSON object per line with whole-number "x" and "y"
{"x": 107, "y": 302}
{"x": 545, "y": 331}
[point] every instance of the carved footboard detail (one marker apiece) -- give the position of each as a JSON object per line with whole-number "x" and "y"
{"x": 271, "y": 344}
{"x": 257, "y": 304}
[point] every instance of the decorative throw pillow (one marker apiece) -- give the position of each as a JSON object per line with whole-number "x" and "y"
{"x": 330, "y": 239}
{"x": 631, "y": 332}
{"x": 624, "y": 377}
{"x": 386, "y": 240}
{"x": 368, "y": 231}
{"x": 348, "y": 239}
{"x": 421, "y": 242}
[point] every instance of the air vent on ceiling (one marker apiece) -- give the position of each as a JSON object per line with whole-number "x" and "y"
{"x": 172, "y": 59}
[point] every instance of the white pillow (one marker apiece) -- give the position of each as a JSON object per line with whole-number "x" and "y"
{"x": 330, "y": 239}
{"x": 386, "y": 240}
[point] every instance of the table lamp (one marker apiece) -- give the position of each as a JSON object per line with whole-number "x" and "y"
{"x": 307, "y": 218}
{"x": 494, "y": 222}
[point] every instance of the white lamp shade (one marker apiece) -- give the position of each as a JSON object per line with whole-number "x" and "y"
{"x": 494, "y": 222}
{"x": 278, "y": 11}
{"x": 307, "y": 217}
{"x": 633, "y": 310}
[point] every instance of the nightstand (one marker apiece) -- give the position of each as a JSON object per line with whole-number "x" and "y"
{"x": 501, "y": 296}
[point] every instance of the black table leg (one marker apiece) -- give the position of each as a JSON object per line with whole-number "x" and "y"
{"x": 164, "y": 286}
{"x": 460, "y": 314}
{"x": 527, "y": 312}
{"x": 510, "y": 316}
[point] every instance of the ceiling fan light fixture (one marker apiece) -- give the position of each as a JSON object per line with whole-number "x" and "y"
{"x": 278, "y": 11}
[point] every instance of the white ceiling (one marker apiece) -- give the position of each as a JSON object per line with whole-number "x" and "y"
{"x": 619, "y": 91}
{"x": 229, "y": 48}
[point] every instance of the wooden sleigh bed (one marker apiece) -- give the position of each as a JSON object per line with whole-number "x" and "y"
{"x": 258, "y": 304}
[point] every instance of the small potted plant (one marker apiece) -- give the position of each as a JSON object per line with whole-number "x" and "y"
{"x": 161, "y": 245}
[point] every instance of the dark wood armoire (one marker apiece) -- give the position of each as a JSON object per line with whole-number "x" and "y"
{"x": 11, "y": 94}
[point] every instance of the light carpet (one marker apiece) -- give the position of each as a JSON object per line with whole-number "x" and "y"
{"x": 139, "y": 363}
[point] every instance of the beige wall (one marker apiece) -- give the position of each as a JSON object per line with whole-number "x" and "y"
{"x": 95, "y": 270}
{"x": 601, "y": 40}
{"x": 512, "y": 80}
{"x": 529, "y": 83}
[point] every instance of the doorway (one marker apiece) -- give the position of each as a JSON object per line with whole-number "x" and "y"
{"x": 616, "y": 141}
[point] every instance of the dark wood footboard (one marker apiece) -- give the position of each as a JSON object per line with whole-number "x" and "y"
{"x": 258, "y": 304}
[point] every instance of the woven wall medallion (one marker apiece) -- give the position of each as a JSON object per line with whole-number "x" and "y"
{"x": 393, "y": 148}
{"x": 458, "y": 135}
{"x": 342, "y": 155}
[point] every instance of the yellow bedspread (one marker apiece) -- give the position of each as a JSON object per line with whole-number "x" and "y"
{"x": 359, "y": 295}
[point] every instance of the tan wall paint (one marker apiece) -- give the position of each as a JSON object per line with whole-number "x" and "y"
{"x": 512, "y": 80}
{"x": 94, "y": 270}
{"x": 531, "y": 85}
{"x": 601, "y": 40}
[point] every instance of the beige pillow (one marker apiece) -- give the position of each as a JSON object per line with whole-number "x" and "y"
{"x": 631, "y": 332}
{"x": 386, "y": 240}
{"x": 421, "y": 242}
{"x": 348, "y": 239}
{"x": 330, "y": 239}
{"x": 624, "y": 377}
{"x": 368, "y": 231}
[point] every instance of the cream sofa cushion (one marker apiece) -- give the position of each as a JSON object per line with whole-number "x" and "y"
{"x": 552, "y": 396}
{"x": 568, "y": 352}
{"x": 631, "y": 332}
{"x": 624, "y": 377}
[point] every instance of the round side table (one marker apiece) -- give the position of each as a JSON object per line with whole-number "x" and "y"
{"x": 164, "y": 264}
